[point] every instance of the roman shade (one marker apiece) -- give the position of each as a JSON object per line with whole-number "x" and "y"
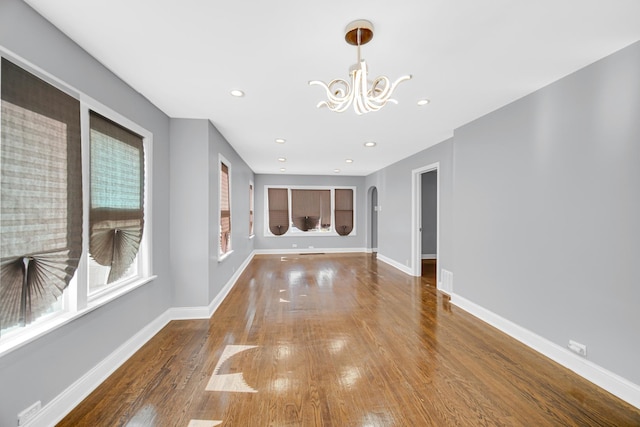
{"x": 344, "y": 211}
{"x": 41, "y": 201}
{"x": 278, "y": 210}
{"x": 116, "y": 216}
{"x": 311, "y": 209}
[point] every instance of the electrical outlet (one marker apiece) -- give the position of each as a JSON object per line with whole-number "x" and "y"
{"x": 29, "y": 413}
{"x": 578, "y": 348}
{"x": 310, "y": 247}
{"x": 294, "y": 245}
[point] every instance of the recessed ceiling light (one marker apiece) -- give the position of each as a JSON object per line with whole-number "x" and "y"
{"x": 423, "y": 102}
{"x": 237, "y": 93}
{"x": 282, "y": 169}
{"x": 369, "y": 144}
{"x": 349, "y": 160}
{"x": 282, "y": 159}
{"x": 280, "y": 140}
{"x": 336, "y": 171}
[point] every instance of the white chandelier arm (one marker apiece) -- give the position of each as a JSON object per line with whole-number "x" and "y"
{"x": 338, "y": 94}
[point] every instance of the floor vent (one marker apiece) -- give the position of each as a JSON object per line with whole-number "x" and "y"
{"x": 446, "y": 281}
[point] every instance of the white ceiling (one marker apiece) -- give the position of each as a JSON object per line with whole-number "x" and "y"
{"x": 468, "y": 57}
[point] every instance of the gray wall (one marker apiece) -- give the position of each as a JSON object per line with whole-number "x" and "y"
{"x": 44, "y": 368}
{"x": 318, "y": 242}
{"x": 197, "y": 275}
{"x": 547, "y": 211}
{"x": 429, "y": 187}
{"x": 190, "y": 216}
{"x": 394, "y": 198}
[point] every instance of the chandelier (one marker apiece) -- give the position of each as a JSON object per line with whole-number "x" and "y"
{"x": 364, "y": 97}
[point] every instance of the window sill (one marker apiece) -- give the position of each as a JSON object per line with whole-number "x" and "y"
{"x": 224, "y": 256}
{"x": 19, "y": 339}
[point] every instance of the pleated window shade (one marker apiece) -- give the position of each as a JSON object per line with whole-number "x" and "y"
{"x": 344, "y": 211}
{"x": 311, "y": 209}
{"x": 41, "y": 197}
{"x": 278, "y": 210}
{"x": 250, "y": 209}
{"x": 225, "y": 210}
{"x": 116, "y": 217}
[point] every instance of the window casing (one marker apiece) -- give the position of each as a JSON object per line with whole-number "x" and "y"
{"x": 65, "y": 205}
{"x": 224, "y": 240}
{"x": 309, "y": 210}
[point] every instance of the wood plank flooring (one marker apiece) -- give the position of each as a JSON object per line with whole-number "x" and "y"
{"x": 342, "y": 340}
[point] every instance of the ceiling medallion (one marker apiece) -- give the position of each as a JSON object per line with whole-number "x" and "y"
{"x": 341, "y": 94}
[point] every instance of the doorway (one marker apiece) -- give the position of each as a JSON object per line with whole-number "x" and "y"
{"x": 425, "y": 224}
{"x": 373, "y": 209}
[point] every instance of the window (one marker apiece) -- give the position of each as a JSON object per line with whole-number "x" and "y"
{"x": 313, "y": 210}
{"x": 344, "y": 211}
{"x": 45, "y": 272}
{"x": 225, "y": 208}
{"x": 278, "y": 210}
{"x": 41, "y": 208}
{"x": 116, "y": 215}
{"x": 251, "y": 200}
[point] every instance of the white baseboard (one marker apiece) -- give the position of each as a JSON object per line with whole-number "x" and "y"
{"x": 61, "y": 405}
{"x": 309, "y": 251}
{"x": 613, "y": 383}
{"x": 215, "y": 303}
{"x": 403, "y": 268}
{"x": 429, "y": 256}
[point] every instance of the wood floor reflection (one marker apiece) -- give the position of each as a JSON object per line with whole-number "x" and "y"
{"x": 341, "y": 340}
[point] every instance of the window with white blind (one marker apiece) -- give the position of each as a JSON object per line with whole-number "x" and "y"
{"x": 46, "y": 274}
{"x": 116, "y": 214}
{"x": 224, "y": 247}
{"x": 322, "y": 211}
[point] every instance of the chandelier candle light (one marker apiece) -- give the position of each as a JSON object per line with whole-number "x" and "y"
{"x": 341, "y": 94}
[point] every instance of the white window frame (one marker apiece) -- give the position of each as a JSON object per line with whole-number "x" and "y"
{"x": 221, "y": 160}
{"x": 76, "y": 300}
{"x": 292, "y": 231}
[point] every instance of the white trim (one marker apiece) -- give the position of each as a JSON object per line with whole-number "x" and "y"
{"x": 63, "y": 403}
{"x": 309, "y": 251}
{"x": 416, "y": 217}
{"x": 611, "y": 382}
{"x": 429, "y": 256}
{"x": 405, "y": 269}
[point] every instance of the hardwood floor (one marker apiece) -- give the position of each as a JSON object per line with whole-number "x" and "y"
{"x": 341, "y": 340}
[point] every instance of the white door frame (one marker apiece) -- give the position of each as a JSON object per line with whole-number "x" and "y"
{"x": 416, "y": 218}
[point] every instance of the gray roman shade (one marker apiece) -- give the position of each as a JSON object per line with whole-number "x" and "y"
{"x": 41, "y": 197}
{"x": 278, "y": 210}
{"x": 311, "y": 209}
{"x": 116, "y": 217}
{"x": 344, "y": 211}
